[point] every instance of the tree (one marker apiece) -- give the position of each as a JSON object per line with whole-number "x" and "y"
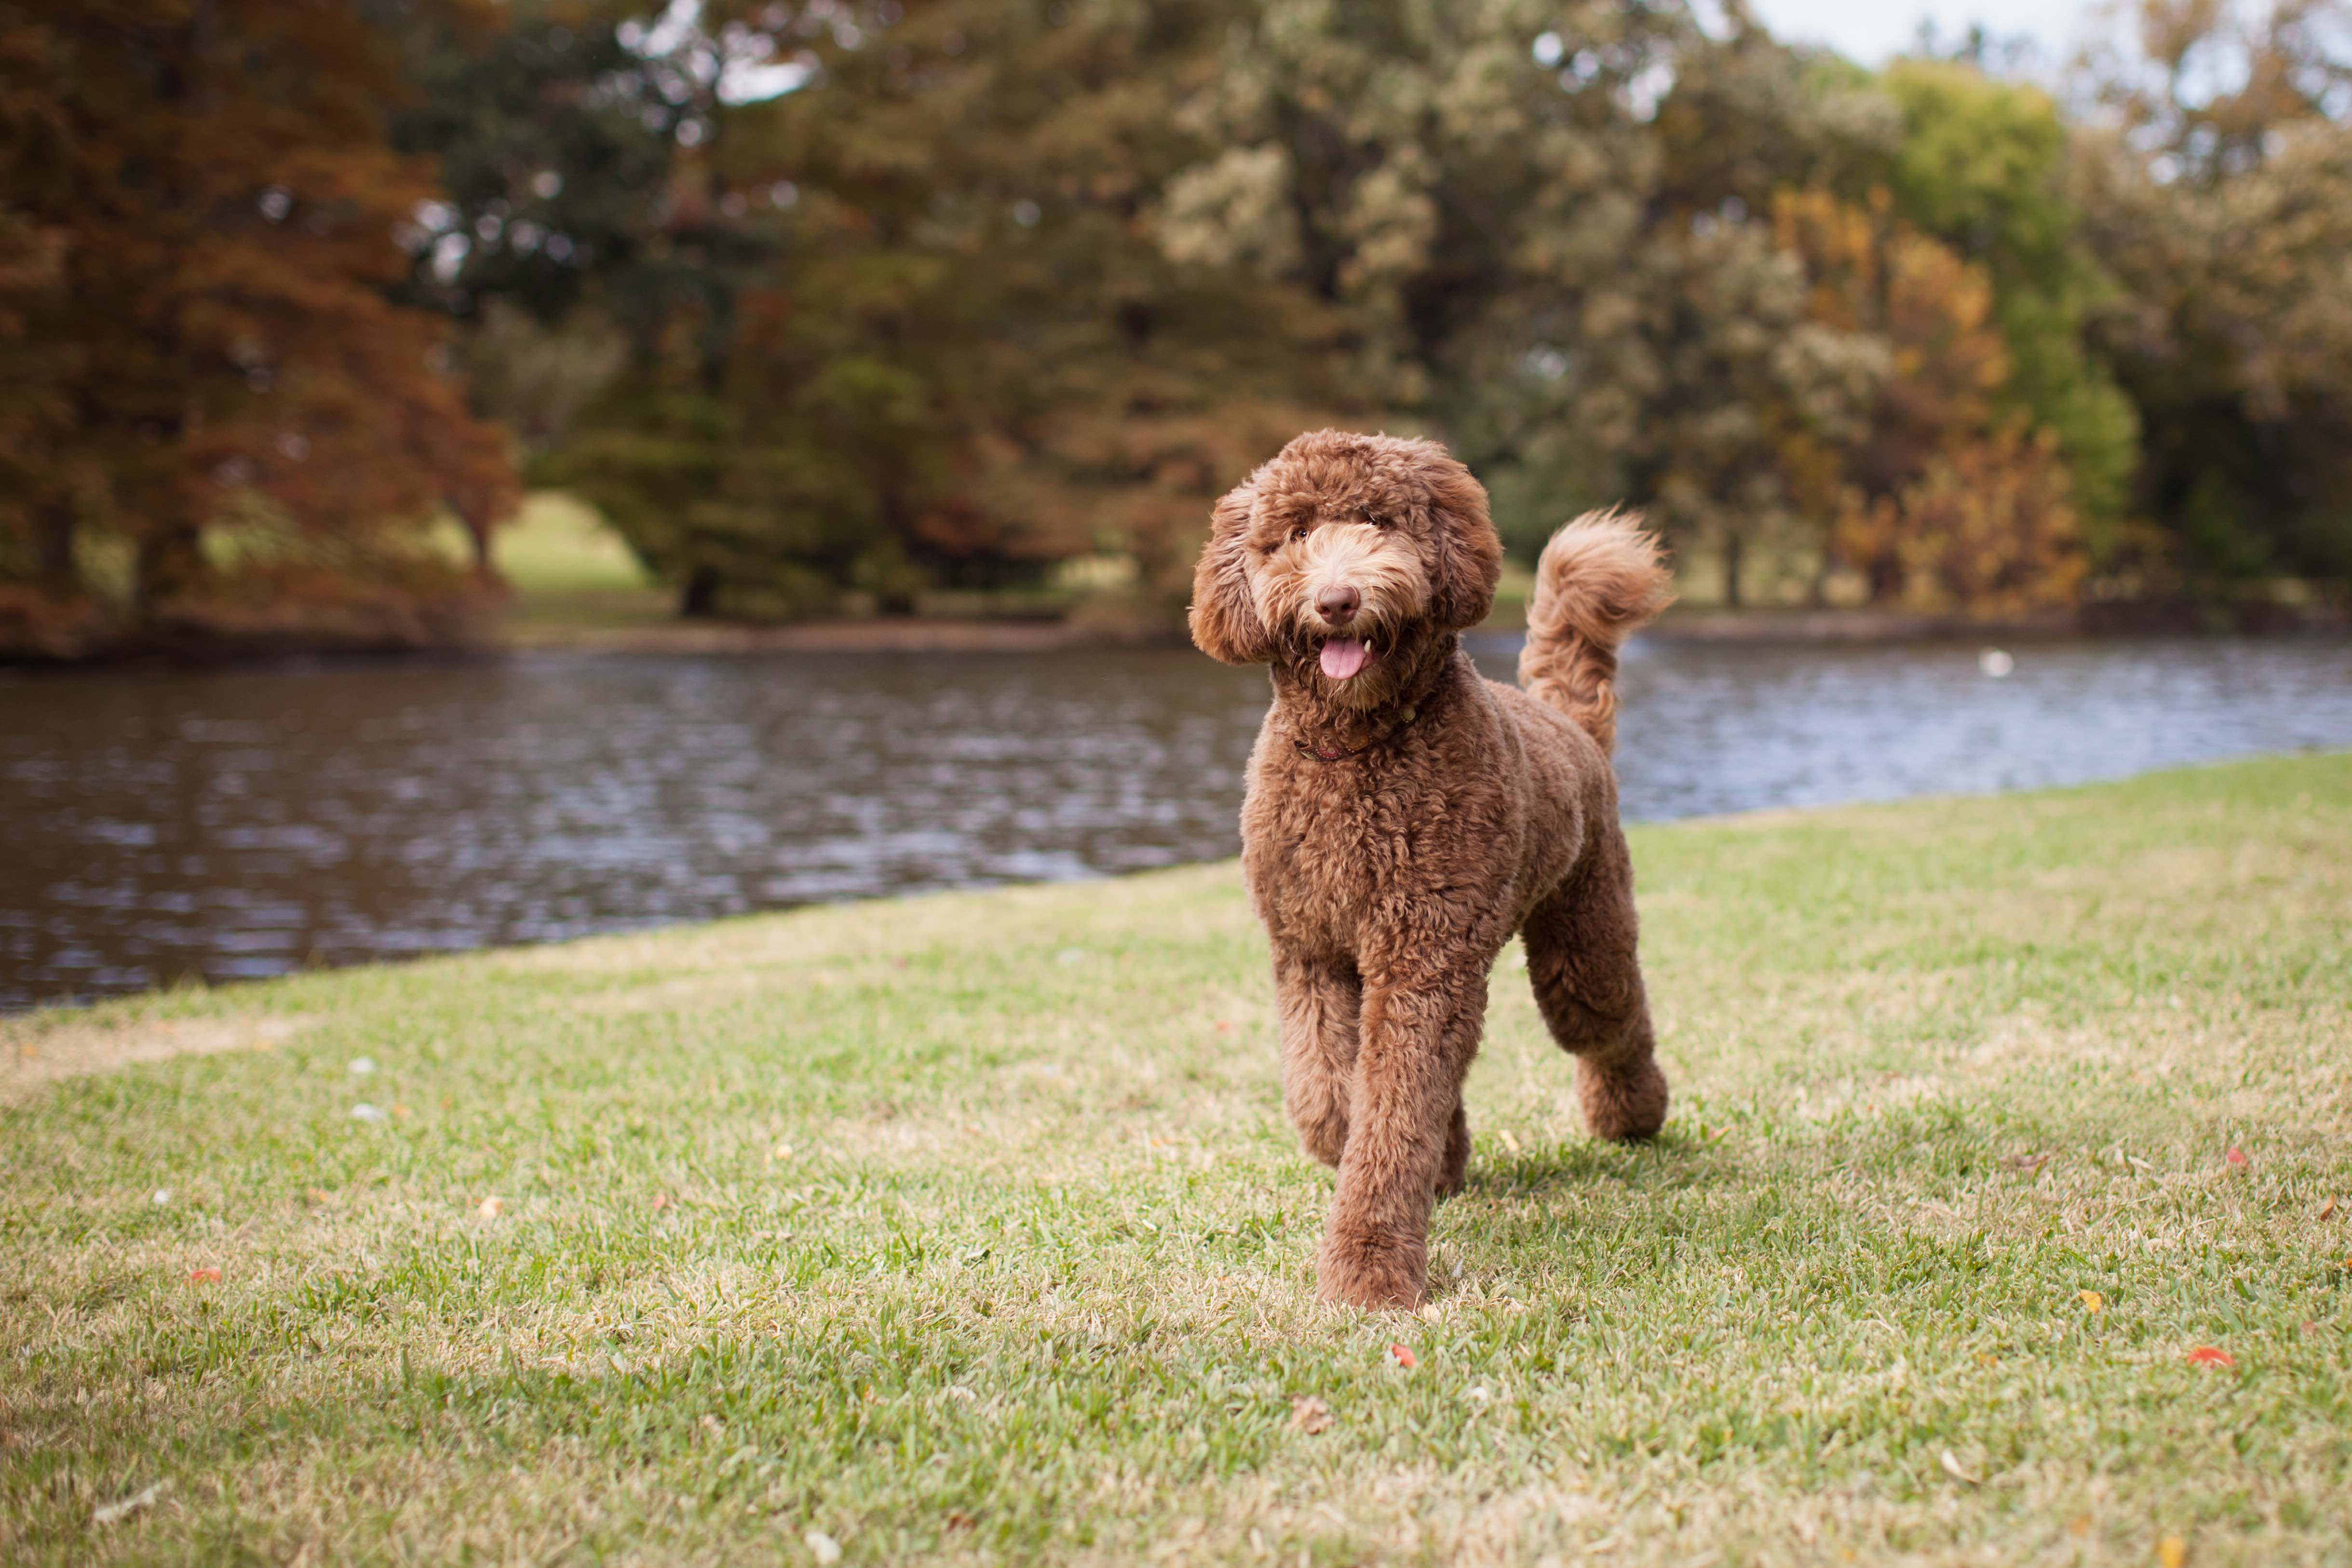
{"x": 1982, "y": 166}
{"x": 1943, "y": 498}
{"x": 2226, "y": 216}
{"x": 961, "y": 358}
{"x": 223, "y": 385}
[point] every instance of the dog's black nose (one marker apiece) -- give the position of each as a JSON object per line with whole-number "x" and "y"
{"x": 1338, "y": 605}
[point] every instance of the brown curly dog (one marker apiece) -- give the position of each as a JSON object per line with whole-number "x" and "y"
{"x": 1406, "y": 816}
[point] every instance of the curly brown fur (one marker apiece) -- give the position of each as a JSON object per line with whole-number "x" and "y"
{"x": 1405, "y": 818}
{"x": 1597, "y": 579}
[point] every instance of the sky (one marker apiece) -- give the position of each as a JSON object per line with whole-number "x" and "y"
{"x": 1871, "y": 30}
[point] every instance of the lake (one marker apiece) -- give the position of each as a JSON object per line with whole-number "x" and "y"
{"x": 239, "y": 824}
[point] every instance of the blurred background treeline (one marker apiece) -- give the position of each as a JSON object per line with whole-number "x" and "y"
{"x": 838, "y": 308}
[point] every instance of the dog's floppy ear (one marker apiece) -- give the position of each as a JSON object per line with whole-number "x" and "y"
{"x": 1465, "y": 552}
{"x": 1225, "y": 624}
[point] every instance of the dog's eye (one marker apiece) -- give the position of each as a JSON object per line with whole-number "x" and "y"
{"x": 1298, "y": 532}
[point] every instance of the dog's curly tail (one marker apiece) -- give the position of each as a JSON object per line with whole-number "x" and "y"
{"x": 1599, "y": 579}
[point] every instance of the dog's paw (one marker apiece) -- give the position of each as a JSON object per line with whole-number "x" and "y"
{"x": 1372, "y": 1274}
{"x": 1625, "y": 1105}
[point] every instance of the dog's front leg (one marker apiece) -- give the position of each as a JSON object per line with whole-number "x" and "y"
{"x": 1320, "y": 1000}
{"x": 1418, "y": 1031}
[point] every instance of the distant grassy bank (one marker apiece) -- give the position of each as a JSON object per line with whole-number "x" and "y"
{"x": 968, "y": 1229}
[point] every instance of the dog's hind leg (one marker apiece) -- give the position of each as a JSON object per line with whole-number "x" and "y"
{"x": 1319, "y": 1001}
{"x": 1454, "y": 1173}
{"x": 1581, "y": 957}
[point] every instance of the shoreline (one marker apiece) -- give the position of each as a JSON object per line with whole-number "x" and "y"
{"x": 904, "y": 635}
{"x": 916, "y": 635}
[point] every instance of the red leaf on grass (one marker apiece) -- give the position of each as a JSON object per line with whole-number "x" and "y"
{"x": 661, "y": 1202}
{"x": 204, "y": 1276}
{"x": 2236, "y": 1157}
{"x": 2211, "y": 1355}
{"x": 1403, "y": 1355}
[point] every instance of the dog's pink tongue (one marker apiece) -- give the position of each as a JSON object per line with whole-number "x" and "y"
{"x": 1342, "y": 657}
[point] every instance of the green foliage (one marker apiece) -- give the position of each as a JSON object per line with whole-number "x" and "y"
{"x": 2226, "y": 214}
{"x": 1982, "y": 166}
{"x": 828, "y": 301}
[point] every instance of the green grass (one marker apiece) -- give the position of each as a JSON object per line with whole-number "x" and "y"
{"x": 969, "y": 1228}
{"x": 568, "y": 570}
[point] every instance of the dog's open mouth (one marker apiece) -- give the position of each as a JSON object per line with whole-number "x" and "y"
{"x": 1344, "y": 657}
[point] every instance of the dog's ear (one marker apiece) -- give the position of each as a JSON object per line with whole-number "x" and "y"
{"x": 1225, "y": 624}
{"x": 1465, "y": 552}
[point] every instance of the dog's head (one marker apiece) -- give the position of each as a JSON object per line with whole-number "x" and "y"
{"x": 1344, "y": 557}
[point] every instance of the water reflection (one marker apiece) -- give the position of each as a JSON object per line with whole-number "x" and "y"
{"x": 242, "y": 824}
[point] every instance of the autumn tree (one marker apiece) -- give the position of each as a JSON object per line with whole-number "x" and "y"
{"x": 1982, "y": 166}
{"x": 1945, "y": 497}
{"x": 2219, "y": 194}
{"x": 212, "y": 378}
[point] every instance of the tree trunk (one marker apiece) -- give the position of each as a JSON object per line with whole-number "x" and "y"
{"x": 171, "y": 563}
{"x": 698, "y": 599}
{"x": 1734, "y": 551}
{"x": 53, "y": 551}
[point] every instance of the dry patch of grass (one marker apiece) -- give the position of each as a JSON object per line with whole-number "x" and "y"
{"x": 38, "y": 1052}
{"x": 968, "y": 1229}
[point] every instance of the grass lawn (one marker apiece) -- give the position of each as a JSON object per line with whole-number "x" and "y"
{"x": 969, "y": 1228}
{"x": 570, "y": 571}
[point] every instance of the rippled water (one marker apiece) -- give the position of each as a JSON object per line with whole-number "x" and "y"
{"x": 241, "y": 824}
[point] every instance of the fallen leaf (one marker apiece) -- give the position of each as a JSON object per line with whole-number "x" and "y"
{"x": 1310, "y": 1414}
{"x": 2172, "y": 1551}
{"x": 2080, "y": 1524}
{"x": 1952, "y": 1468}
{"x": 1403, "y": 1355}
{"x": 2028, "y": 1162}
{"x": 2236, "y": 1157}
{"x": 129, "y": 1505}
{"x": 1429, "y": 1311}
{"x": 363, "y": 1111}
{"x": 491, "y": 1207}
{"x": 661, "y": 1202}
{"x": 204, "y": 1276}
{"x": 2095, "y": 1302}
{"x": 823, "y": 1547}
{"x": 1225, "y": 1025}
{"x": 401, "y": 1111}
{"x": 2327, "y": 1208}
{"x": 1509, "y": 1141}
{"x": 959, "y": 1520}
{"x": 2211, "y": 1355}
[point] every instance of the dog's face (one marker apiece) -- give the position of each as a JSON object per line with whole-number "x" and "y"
{"x": 1342, "y": 558}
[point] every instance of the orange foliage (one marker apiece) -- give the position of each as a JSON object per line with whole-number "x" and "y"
{"x": 217, "y": 341}
{"x": 1938, "y": 501}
